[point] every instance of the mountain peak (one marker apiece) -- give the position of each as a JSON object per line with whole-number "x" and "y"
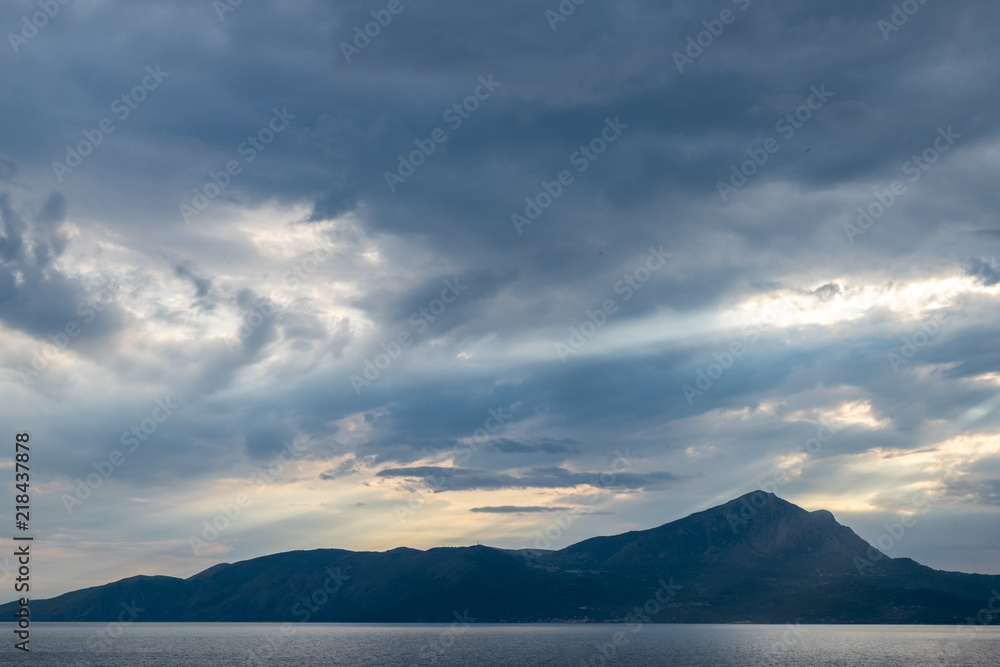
{"x": 759, "y": 499}
{"x": 825, "y": 515}
{"x": 756, "y": 526}
{"x": 769, "y": 525}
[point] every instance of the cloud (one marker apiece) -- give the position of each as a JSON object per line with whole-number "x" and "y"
{"x": 514, "y": 509}
{"x": 40, "y": 299}
{"x": 202, "y": 285}
{"x": 305, "y": 267}
{"x": 543, "y": 445}
{"x": 554, "y": 477}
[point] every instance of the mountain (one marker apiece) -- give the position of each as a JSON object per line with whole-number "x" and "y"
{"x": 757, "y": 558}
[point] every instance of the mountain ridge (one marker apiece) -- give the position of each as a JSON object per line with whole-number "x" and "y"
{"x": 755, "y": 558}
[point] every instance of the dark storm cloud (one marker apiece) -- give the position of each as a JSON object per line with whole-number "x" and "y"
{"x": 365, "y": 113}
{"x": 250, "y": 384}
{"x": 979, "y": 492}
{"x": 38, "y": 298}
{"x": 461, "y": 479}
{"x": 440, "y": 304}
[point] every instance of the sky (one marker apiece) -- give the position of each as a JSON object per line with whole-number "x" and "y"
{"x": 361, "y": 275}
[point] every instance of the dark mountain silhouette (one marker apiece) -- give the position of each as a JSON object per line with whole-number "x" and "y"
{"x": 754, "y": 559}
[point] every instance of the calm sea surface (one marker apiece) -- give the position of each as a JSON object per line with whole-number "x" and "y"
{"x": 315, "y": 645}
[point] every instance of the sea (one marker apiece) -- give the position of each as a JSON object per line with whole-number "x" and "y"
{"x": 463, "y": 644}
